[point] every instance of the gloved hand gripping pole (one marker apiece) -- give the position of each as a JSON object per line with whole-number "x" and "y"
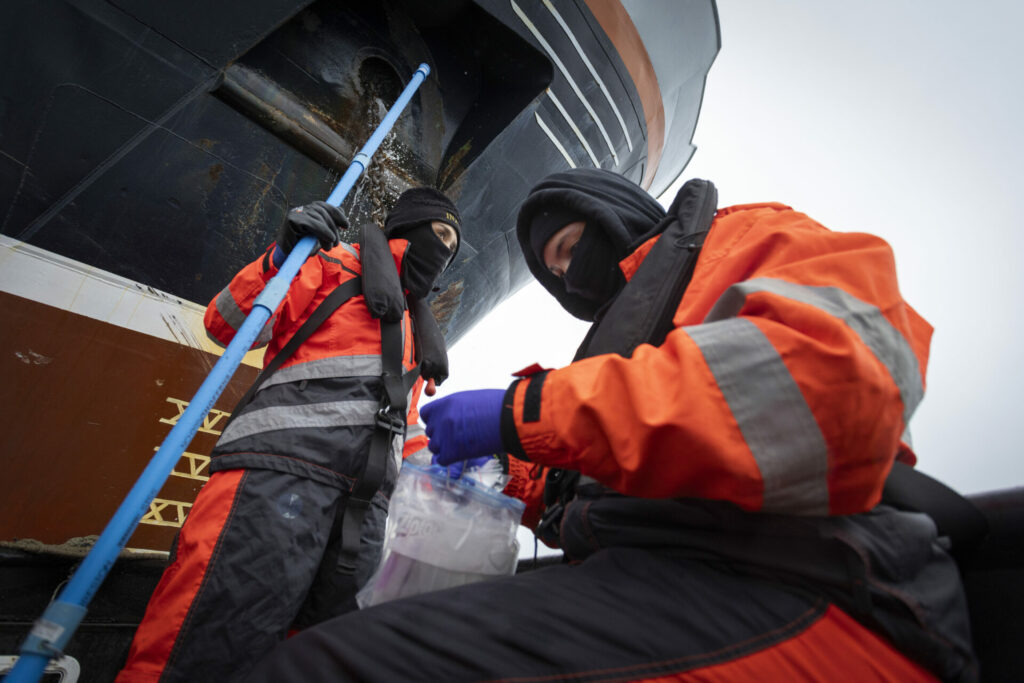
{"x": 52, "y": 631}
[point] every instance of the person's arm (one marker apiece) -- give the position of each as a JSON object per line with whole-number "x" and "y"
{"x": 791, "y": 396}
{"x": 229, "y": 309}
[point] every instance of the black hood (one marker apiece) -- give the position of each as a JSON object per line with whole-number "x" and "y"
{"x": 622, "y": 210}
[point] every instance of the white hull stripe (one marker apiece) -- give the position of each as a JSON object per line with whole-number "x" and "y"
{"x": 326, "y": 368}
{"x": 47, "y": 278}
{"x": 572, "y": 124}
{"x": 554, "y": 140}
{"x": 775, "y": 420}
{"x": 875, "y": 331}
{"x": 593, "y": 71}
{"x": 565, "y": 72}
{"x": 330, "y": 414}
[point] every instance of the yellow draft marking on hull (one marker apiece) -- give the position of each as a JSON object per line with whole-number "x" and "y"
{"x": 157, "y": 506}
{"x": 209, "y": 422}
{"x": 198, "y": 466}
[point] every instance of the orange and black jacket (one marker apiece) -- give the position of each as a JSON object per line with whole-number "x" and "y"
{"x": 315, "y": 415}
{"x": 786, "y": 385}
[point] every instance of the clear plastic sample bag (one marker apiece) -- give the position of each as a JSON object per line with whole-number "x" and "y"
{"x": 443, "y": 533}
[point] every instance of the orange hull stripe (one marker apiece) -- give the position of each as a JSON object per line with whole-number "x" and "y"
{"x": 180, "y": 584}
{"x": 612, "y": 17}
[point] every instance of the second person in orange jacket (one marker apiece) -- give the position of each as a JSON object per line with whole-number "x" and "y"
{"x": 711, "y": 463}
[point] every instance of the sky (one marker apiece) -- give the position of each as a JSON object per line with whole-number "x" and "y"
{"x": 900, "y": 118}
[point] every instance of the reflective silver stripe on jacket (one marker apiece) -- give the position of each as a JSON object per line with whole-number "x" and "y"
{"x": 229, "y": 309}
{"x": 234, "y": 316}
{"x": 775, "y": 420}
{"x": 266, "y": 334}
{"x": 331, "y": 414}
{"x": 413, "y": 431}
{"x": 350, "y": 249}
{"x": 421, "y": 455}
{"x": 325, "y": 368}
{"x": 877, "y": 333}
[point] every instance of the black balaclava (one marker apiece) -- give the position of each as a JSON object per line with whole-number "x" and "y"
{"x": 546, "y": 223}
{"x": 619, "y": 217}
{"x": 425, "y": 260}
{"x": 427, "y": 256}
{"x": 594, "y": 271}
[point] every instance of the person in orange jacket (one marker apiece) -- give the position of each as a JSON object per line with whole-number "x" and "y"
{"x": 711, "y": 463}
{"x": 283, "y": 534}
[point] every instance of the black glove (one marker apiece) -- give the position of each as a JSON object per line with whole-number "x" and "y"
{"x": 319, "y": 219}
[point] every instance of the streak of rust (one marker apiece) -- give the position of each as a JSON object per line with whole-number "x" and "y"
{"x": 454, "y": 161}
{"x": 446, "y": 304}
{"x": 215, "y": 172}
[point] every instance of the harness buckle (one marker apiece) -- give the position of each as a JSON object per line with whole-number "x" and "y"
{"x": 550, "y": 521}
{"x": 389, "y": 420}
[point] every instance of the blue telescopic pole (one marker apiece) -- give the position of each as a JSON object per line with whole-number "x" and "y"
{"x": 52, "y": 631}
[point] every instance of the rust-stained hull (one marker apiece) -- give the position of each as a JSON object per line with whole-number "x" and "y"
{"x": 85, "y": 403}
{"x": 55, "y": 488}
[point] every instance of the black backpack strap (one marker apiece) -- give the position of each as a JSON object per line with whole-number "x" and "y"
{"x": 329, "y": 305}
{"x": 390, "y": 421}
{"x": 642, "y": 313}
{"x": 956, "y": 517}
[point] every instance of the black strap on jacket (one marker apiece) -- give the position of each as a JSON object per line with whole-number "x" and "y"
{"x": 955, "y": 517}
{"x": 642, "y": 313}
{"x": 329, "y": 305}
{"x": 390, "y": 421}
{"x": 385, "y": 300}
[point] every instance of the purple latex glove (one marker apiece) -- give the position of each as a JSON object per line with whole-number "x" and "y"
{"x": 464, "y": 426}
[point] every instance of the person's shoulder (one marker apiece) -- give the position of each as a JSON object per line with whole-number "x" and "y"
{"x": 342, "y": 255}
{"x": 739, "y": 219}
{"x": 753, "y": 208}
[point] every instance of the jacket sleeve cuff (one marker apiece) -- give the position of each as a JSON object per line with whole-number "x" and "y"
{"x": 509, "y": 433}
{"x": 268, "y": 263}
{"x": 530, "y": 405}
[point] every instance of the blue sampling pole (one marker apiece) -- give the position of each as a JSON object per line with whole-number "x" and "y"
{"x": 52, "y": 631}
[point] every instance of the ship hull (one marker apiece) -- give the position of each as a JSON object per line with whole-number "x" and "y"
{"x": 149, "y": 150}
{"x": 146, "y": 155}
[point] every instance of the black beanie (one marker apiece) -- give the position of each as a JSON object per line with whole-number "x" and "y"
{"x": 420, "y": 205}
{"x": 546, "y": 223}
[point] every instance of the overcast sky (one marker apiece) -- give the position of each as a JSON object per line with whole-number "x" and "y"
{"x": 900, "y": 118}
